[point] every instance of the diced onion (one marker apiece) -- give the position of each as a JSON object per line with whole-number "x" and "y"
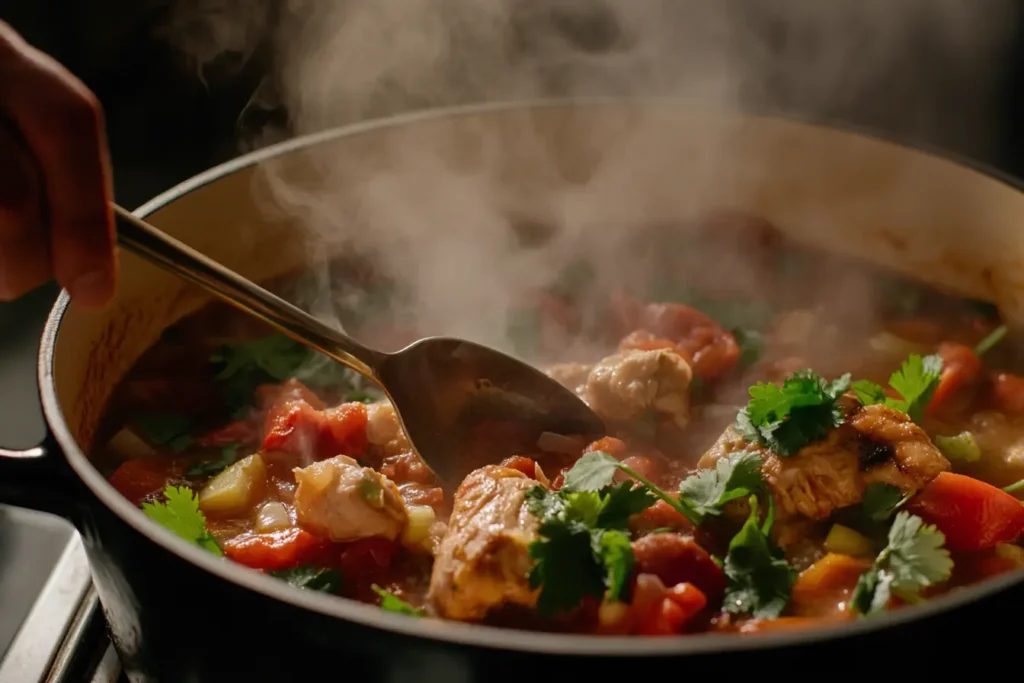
{"x": 416, "y": 533}
{"x": 549, "y": 442}
{"x": 611, "y": 614}
{"x": 272, "y": 516}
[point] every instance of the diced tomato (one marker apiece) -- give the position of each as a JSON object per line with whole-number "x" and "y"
{"x": 364, "y": 559}
{"x": 140, "y": 478}
{"x": 961, "y": 368}
{"x": 238, "y": 432}
{"x": 666, "y": 619}
{"x": 674, "y": 559}
{"x": 1008, "y": 393}
{"x": 711, "y": 349}
{"x": 973, "y": 515}
{"x": 661, "y": 515}
{"x": 689, "y": 597}
{"x": 418, "y": 494}
{"x": 609, "y": 445}
{"x": 298, "y": 427}
{"x": 283, "y": 549}
{"x": 522, "y": 464}
{"x": 824, "y": 588}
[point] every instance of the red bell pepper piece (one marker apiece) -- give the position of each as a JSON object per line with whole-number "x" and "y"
{"x": 284, "y": 549}
{"x": 971, "y": 514}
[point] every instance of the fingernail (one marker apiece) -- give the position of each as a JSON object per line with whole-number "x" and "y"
{"x": 92, "y": 289}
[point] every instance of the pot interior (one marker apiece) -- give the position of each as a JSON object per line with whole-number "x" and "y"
{"x": 485, "y": 187}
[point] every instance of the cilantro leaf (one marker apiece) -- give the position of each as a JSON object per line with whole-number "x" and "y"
{"x": 228, "y": 456}
{"x": 582, "y": 550}
{"x": 310, "y": 578}
{"x": 596, "y": 470}
{"x": 913, "y": 560}
{"x": 787, "y": 418}
{"x": 882, "y": 500}
{"x": 751, "y": 343}
{"x": 245, "y": 365}
{"x": 707, "y": 491}
{"x": 617, "y": 560}
{"x": 760, "y": 579}
{"x": 868, "y": 393}
{"x": 180, "y": 513}
{"x": 915, "y": 381}
{"x": 389, "y": 602}
{"x": 170, "y": 431}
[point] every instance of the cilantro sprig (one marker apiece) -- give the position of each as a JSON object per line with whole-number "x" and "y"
{"x": 881, "y": 501}
{"x": 243, "y": 366}
{"x": 787, "y": 418}
{"x": 583, "y": 549}
{"x": 578, "y": 564}
{"x": 180, "y": 513}
{"x": 915, "y": 382}
{"x": 389, "y": 602}
{"x": 913, "y": 560}
{"x": 760, "y": 579}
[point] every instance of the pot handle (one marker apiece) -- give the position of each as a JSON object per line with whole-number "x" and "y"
{"x": 36, "y": 478}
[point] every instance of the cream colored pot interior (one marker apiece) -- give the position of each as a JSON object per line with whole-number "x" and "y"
{"x": 603, "y": 167}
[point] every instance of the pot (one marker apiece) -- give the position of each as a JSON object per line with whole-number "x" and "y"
{"x": 177, "y": 613}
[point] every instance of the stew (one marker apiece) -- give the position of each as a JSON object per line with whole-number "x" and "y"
{"x": 793, "y": 440}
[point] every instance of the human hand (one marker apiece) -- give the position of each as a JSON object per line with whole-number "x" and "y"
{"x": 55, "y": 181}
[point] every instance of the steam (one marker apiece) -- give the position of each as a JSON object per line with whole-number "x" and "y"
{"x": 469, "y": 223}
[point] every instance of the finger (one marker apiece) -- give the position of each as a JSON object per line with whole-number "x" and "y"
{"x": 62, "y": 124}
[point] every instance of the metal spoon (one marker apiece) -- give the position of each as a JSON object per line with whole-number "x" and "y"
{"x": 441, "y": 387}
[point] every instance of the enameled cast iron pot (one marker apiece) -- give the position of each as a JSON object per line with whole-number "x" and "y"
{"x": 179, "y": 614}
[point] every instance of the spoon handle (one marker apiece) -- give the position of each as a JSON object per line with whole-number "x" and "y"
{"x": 146, "y": 241}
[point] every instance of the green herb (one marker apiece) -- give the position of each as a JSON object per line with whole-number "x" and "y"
{"x": 310, "y": 578}
{"x": 180, "y": 513}
{"x": 389, "y": 602}
{"x": 707, "y": 491}
{"x": 169, "y": 431}
{"x": 993, "y": 338}
{"x": 583, "y": 549}
{"x": 913, "y": 560}
{"x": 596, "y": 470}
{"x": 882, "y": 500}
{"x": 1014, "y": 487}
{"x": 760, "y": 579}
{"x": 228, "y": 456}
{"x": 787, "y": 418}
{"x": 275, "y": 358}
{"x": 915, "y": 382}
{"x": 963, "y": 447}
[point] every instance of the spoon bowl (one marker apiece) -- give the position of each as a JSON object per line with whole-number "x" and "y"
{"x": 443, "y": 389}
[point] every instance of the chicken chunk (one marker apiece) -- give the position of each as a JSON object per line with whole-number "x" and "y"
{"x": 483, "y": 560}
{"x": 627, "y": 385}
{"x": 340, "y": 500}
{"x": 877, "y": 444}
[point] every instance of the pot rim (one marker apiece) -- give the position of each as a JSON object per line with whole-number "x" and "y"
{"x": 441, "y": 631}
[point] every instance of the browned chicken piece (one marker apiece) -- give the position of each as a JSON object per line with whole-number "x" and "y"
{"x": 384, "y": 430}
{"x": 570, "y": 375}
{"x": 627, "y": 385}
{"x": 339, "y": 500}
{"x": 877, "y": 444}
{"x": 483, "y": 560}
{"x": 895, "y": 450}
